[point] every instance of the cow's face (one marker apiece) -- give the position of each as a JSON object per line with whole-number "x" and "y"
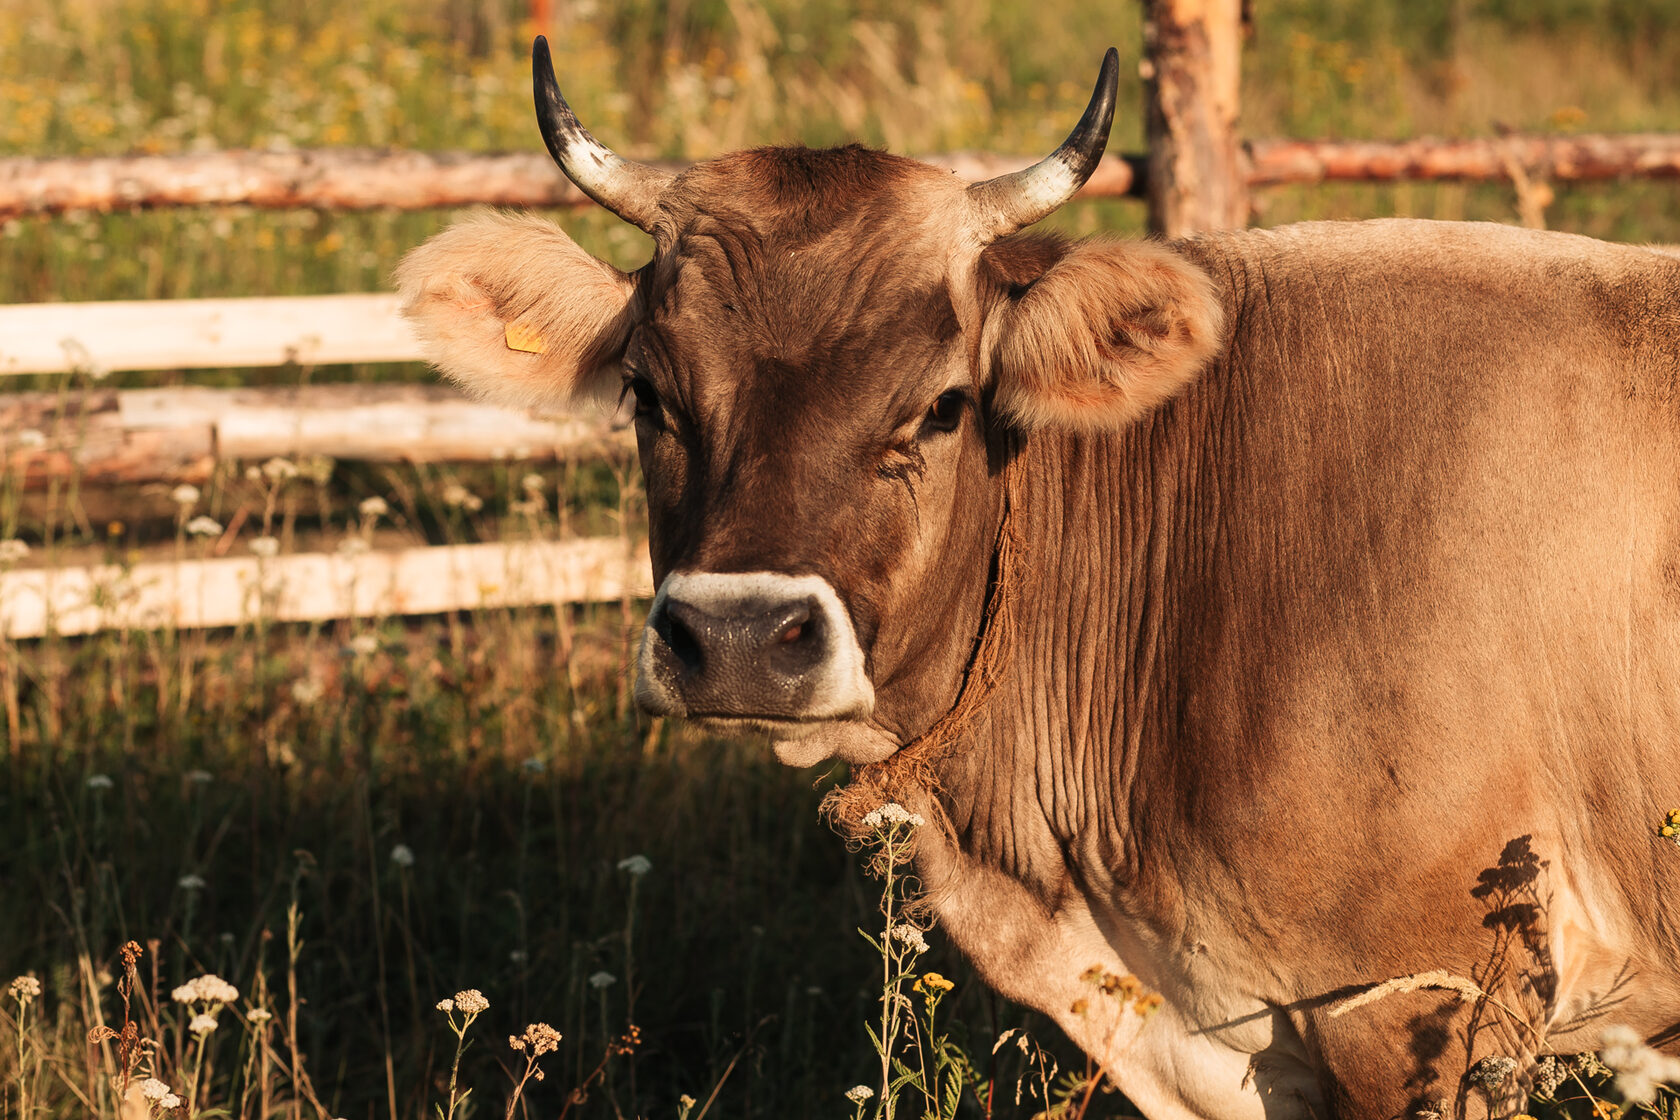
{"x": 821, "y": 362}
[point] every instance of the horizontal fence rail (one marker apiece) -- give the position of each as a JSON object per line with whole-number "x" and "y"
{"x": 361, "y": 179}
{"x": 203, "y": 333}
{"x": 316, "y": 587}
{"x": 121, "y": 436}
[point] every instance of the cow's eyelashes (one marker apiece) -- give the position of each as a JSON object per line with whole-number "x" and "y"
{"x": 639, "y": 400}
{"x": 946, "y": 412}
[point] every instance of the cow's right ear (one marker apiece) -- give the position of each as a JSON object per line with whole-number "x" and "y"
{"x": 510, "y": 308}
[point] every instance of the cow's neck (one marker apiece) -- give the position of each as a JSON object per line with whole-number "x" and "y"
{"x": 1044, "y": 784}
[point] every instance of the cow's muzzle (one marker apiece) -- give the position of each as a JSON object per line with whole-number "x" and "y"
{"x": 757, "y": 648}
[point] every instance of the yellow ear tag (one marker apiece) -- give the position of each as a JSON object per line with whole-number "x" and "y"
{"x": 521, "y": 337}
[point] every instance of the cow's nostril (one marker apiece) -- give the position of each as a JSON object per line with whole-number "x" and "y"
{"x": 792, "y": 634}
{"x": 683, "y": 643}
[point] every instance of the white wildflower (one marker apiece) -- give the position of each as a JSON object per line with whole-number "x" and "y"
{"x": 857, "y": 1094}
{"x": 373, "y": 507}
{"x": 446, "y": 1005}
{"x": 12, "y": 550}
{"x": 352, "y": 546}
{"x": 471, "y": 1001}
{"x": 601, "y": 980}
{"x": 539, "y": 1037}
{"x": 185, "y": 494}
{"x": 265, "y": 548}
{"x": 25, "y": 988}
{"x": 98, "y": 782}
{"x": 279, "y": 470}
{"x": 202, "y": 1023}
{"x": 911, "y": 936}
{"x": 31, "y": 438}
{"x": 635, "y": 866}
{"x": 307, "y": 690}
{"x": 153, "y": 1089}
{"x": 519, "y": 957}
{"x": 534, "y": 765}
{"x": 890, "y": 815}
{"x": 198, "y": 777}
{"x": 191, "y": 882}
{"x": 169, "y": 1102}
{"x": 364, "y": 645}
{"x": 1640, "y": 1070}
{"x": 208, "y": 988}
{"x": 258, "y": 1015}
{"x": 402, "y": 855}
{"x": 531, "y": 483}
{"x": 202, "y": 526}
{"x": 457, "y": 496}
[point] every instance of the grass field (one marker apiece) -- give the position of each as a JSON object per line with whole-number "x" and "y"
{"x": 352, "y": 821}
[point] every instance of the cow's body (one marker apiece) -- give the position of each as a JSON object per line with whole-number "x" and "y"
{"x": 1358, "y": 660}
{"x": 1272, "y": 615}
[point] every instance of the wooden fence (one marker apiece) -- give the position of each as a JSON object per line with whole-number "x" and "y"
{"x": 1197, "y": 174}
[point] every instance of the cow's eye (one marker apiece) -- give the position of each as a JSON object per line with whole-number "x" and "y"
{"x": 947, "y": 411}
{"x": 646, "y": 398}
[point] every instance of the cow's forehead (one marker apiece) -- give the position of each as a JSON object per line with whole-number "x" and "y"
{"x": 830, "y": 268}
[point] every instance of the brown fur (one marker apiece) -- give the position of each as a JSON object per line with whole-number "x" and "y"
{"x": 462, "y": 288}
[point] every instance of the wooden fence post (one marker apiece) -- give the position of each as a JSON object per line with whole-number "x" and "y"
{"x": 1192, "y": 73}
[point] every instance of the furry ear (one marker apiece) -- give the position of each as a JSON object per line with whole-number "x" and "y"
{"x": 510, "y": 309}
{"x": 1107, "y": 332}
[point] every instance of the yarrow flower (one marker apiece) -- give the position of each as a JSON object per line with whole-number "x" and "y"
{"x": 153, "y": 1089}
{"x": 600, "y": 980}
{"x": 99, "y": 782}
{"x": 446, "y": 1005}
{"x": 264, "y": 548}
{"x": 857, "y": 1094}
{"x": 190, "y": 882}
{"x": 471, "y": 1001}
{"x": 890, "y": 815}
{"x": 202, "y": 1023}
{"x": 373, "y": 507}
{"x": 258, "y": 1015}
{"x": 403, "y": 856}
{"x": 1640, "y": 1070}
{"x": 911, "y": 936}
{"x": 184, "y": 495}
{"x": 364, "y": 645}
{"x": 12, "y": 550}
{"x": 538, "y": 1039}
{"x": 208, "y": 988}
{"x": 25, "y": 988}
{"x": 202, "y": 526}
{"x": 636, "y": 866}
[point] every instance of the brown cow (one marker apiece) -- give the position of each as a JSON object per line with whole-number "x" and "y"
{"x": 1270, "y": 614}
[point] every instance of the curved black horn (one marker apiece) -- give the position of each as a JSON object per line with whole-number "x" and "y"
{"x": 1010, "y": 202}
{"x": 630, "y": 190}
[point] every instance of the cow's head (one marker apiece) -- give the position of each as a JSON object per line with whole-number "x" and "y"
{"x": 828, "y": 361}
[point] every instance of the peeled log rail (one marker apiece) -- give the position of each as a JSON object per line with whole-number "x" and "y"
{"x": 316, "y": 587}
{"x": 118, "y": 436}
{"x": 1564, "y": 159}
{"x": 358, "y": 179}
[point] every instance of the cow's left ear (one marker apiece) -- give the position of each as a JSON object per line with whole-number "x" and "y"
{"x": 1107, "y": 332}
{"x": 513, "y": 311}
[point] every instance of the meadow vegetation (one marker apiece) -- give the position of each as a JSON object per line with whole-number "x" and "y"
{"x": 350, "y": 822}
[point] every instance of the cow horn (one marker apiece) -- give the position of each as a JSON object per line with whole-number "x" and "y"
{"x": 630, "y": 190}
{"x": 1011, "y": 202}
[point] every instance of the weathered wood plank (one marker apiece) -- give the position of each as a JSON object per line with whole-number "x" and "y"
{"x": 316, "y": 587}
{"x": 111, "y": 436}
{"x": 203, "y": 333}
